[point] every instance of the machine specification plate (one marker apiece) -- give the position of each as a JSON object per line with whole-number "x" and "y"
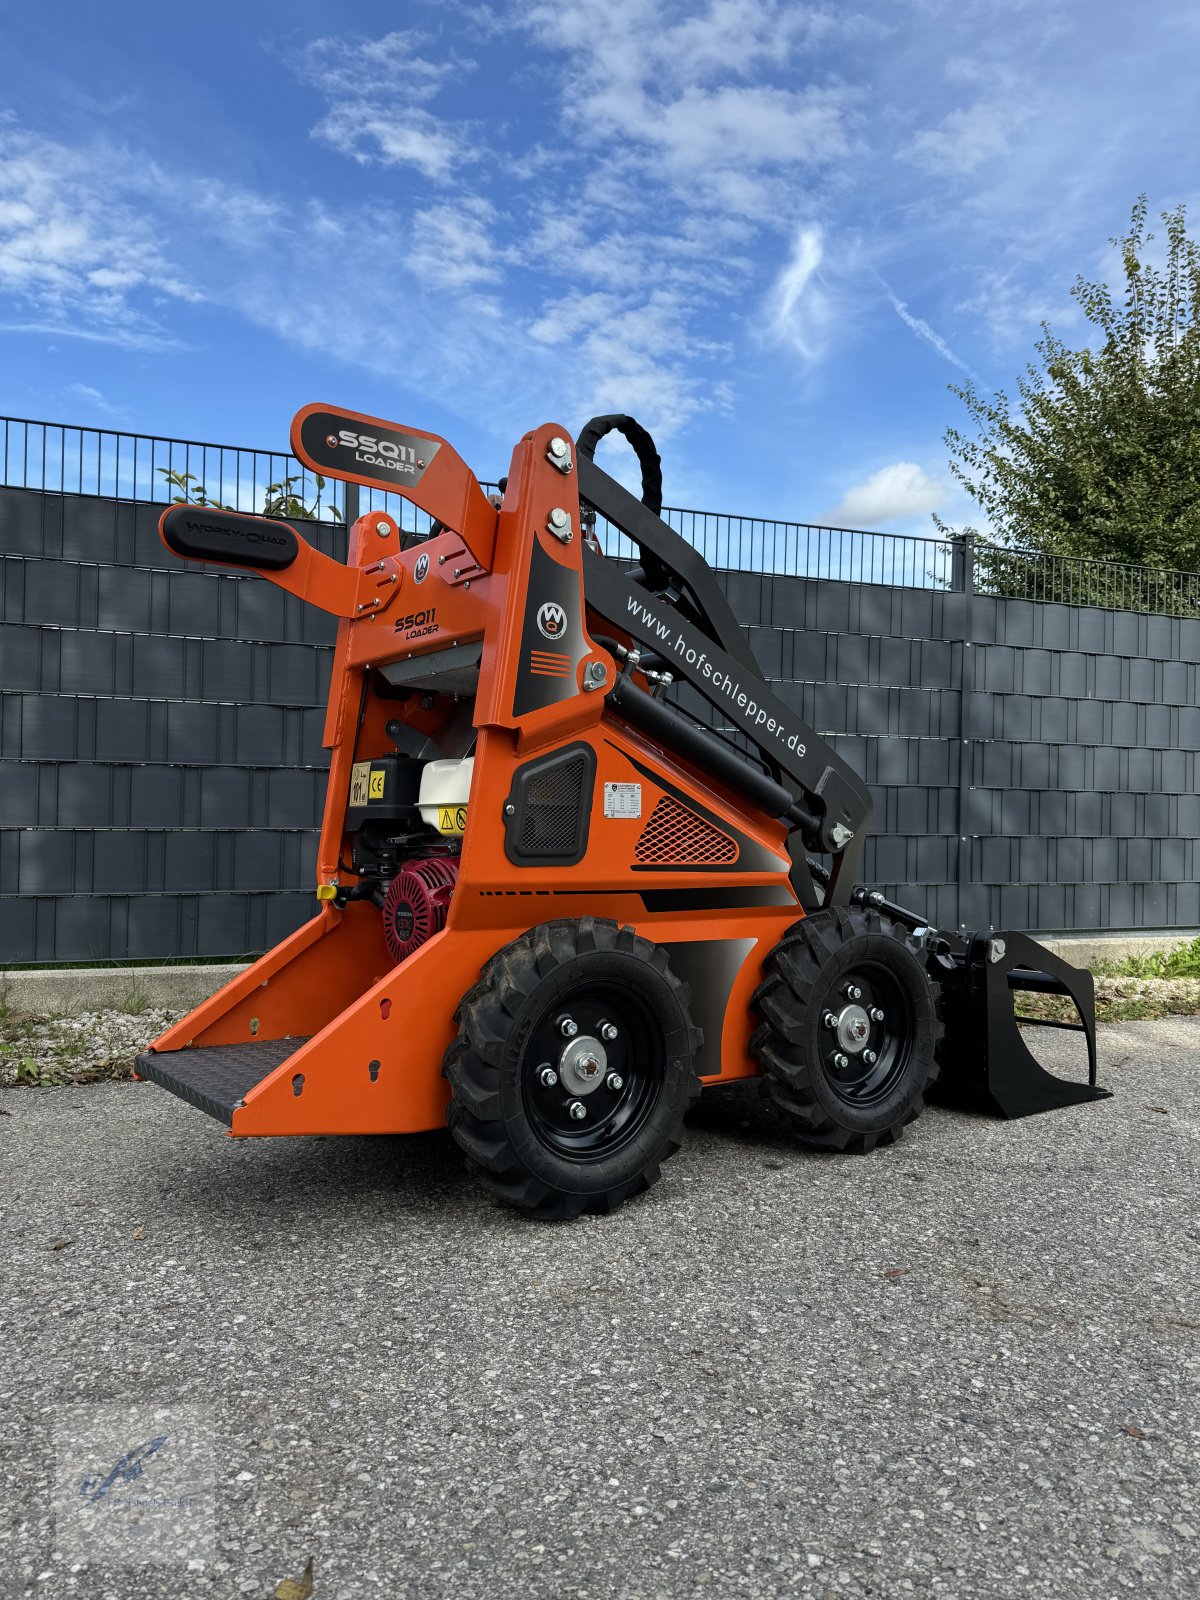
{"x": 622, "y": 799}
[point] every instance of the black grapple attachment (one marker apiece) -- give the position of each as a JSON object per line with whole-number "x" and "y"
{"x": 985, "y": 1063}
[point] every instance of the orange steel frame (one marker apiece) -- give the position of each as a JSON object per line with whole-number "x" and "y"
{"x": 377, "y": 1032}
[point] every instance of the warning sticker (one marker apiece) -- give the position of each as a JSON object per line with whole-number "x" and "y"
{"x": 366, "y": 785}
{"x": 622, "y": 799}
{"x": 360, "y": 783}
{"x": 452, "y": 819}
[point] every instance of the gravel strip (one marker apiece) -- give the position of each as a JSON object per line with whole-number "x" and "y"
{"x": 967, "y": 1366}
{"x": 76, "y": 1049}
{"x": 101, "y": 1043}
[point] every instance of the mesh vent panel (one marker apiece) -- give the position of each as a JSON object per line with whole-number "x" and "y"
{"x": 552, "y": 807}
{"x": 551, "y": 797}
{"x": 676, "y": 837}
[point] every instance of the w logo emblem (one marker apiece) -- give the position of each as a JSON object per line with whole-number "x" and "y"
{"x": 551, "y": 621}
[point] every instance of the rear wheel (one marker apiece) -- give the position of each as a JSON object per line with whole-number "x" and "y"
{"x": 573, "y": 1068}
{"x": 850, "y": 1023}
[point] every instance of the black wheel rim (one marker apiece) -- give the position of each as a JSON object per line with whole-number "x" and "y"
{"x": 868, "y": 997}
{"x": 613, "y": 1115}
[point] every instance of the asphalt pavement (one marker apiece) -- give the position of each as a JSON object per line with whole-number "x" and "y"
{"x": 965, "y": 1366}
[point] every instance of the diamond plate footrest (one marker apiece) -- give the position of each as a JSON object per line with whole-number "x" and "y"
{"x": 217, "y": 1078}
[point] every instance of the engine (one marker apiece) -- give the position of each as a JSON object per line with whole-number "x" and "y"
{"x": 405, "y": 823}
{"x": 415, "y": 905}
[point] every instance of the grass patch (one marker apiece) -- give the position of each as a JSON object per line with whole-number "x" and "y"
{"x": 135, "y": 1002}
{"x": 1123, "y": 999}
{"x": 1182, "y": 962}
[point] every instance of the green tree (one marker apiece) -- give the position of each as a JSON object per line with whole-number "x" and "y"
{"x": 1100, "y": 456}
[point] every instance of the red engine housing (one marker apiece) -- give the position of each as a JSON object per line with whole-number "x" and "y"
{"x": 415, "y": 906}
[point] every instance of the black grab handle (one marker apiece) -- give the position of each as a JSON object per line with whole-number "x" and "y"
{"x": 210, "y": 533}
{"x": 648, "y": 457}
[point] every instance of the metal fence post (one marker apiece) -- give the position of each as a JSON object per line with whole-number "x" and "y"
{"x": 962, "y": 563}
{"x": 963, "y": 582}
{"x": 349, "y": 509}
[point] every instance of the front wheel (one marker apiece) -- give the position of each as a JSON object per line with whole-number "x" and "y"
{"x": 850, "y": 1024}
{"x": 573, "y": 1068}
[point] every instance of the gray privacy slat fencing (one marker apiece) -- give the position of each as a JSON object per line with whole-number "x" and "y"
{"x": 1033, "y": 763}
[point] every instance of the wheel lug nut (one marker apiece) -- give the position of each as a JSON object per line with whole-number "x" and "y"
{"x": 876, "y": 1014}
{"x": 608, "y": 1031}
{"x": 870, "y": 1057}
{"x": 853, "y": 992}
{"x": 841, "y": 1062}
{"x": 615, "y": 1081}
{"x": 547, "y": 1076}
{"x": 829, "y": 1020}
{"x": 568, "y": 1027}
{"x": 578, "y": 1110}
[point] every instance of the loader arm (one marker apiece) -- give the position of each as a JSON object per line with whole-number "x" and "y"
{"x": 422, "y": 467}
{"x": 691, "y": 625}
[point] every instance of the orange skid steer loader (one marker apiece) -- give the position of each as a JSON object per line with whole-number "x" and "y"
{"x": 554, "y": 901}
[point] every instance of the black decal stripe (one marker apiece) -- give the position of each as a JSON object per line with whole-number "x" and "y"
{"x": 710, "y": 968}
{"x": 746, "y": 898}
{"x": 536, "y": 687}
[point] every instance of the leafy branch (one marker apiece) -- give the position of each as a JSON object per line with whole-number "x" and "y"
{"x": 280, "y": 499}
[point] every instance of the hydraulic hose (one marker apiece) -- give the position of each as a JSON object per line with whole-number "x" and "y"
{"x": 643, "y": 445}
{"x": 663, "y": 723}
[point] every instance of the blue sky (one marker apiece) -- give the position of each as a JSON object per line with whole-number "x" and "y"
{"x": 773, "y": 232}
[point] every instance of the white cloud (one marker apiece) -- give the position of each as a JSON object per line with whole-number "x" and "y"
{"x": 124, "y": 338}
{"x": 378, "y": 92}
{"x": 96, "y": 399}
{"x": 679, "y": 146}
{"x": 93, "y": 269}
{"x": 669, "y": 92}
{"x": 800, "y": 309}
{"x": 75, "y": 258}
{"x": 656, "y": 179}
{"x": 682, "y": 132}
{"x": 894, "y": 492}
{"x": 451, "y": 245}
{"x": 923, "y": 331}
{"x": 562, "y": 320}
{"x": 685, "y": 137}
{"x": 968, "y": 138}
{"x": 620, "y": 353}
{"x": 1013, "y": 304}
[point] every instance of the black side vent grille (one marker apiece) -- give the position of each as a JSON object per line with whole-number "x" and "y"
{"x": 549, "y": 808}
